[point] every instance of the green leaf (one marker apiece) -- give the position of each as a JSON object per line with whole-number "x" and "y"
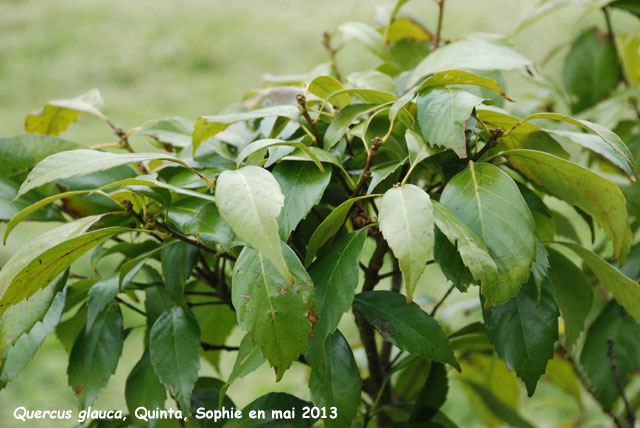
{"x": 490, "y": 204}
{"x": 406, "y": 222}
{"x": 278, "y": 401}
{"x": 361, "y": 33}
{"x": 591, "y": 69}
{"x": 329, "y": 227}
{"x": 497, "y": 406}
{"x": 540, "y": 266}
{"x": 21, "y": 318}
{"x": 206, "y": 127}
{"x": 524, "y": 331}
{"x": 432, "y": 395}
{"x": 446, "y": 78}
{"x": 472, "y": 250}
{"x": 207, "y": 394}
{"x": 340, "y": 124}
{"x": 249, "y": 358}
{"x": 581, "y": 187}
{"x": 100, "y": 295}
{"x": 258, "y": 145}
{"x": 442, "y": 114}
{"x": 16, "y": 357}
{"x": 250, "y": 201}
{"x": 216, "y": 322}
{"x": 43, "y": 269}
{"x": 57, "y": 115}
{"x": 143, "y": 389}
{"x": 626, "y": 291}
{"x": 574, "y": 295}
{"x": 608, "y": 144}
{"x": 324, "y": 86}
{"x": 95, "y": 355}
{"x": 74, "y": 163}
{"x": 340, "y": 385}
{"x": 23, "y": 151}
{"x": 196, "y": 217}
{"x": 405, "y": 325}
{"x": 492, "y": 372}
{"x": 302, "y": 188}
{"x": 30, "y": 209}
{"x": 173, "y": 131}
{"x": 368, "y": 96}
{"x": 614, "y": 324}
{"x": 470, "y": 54}
{"x": 629, "y": 5}
{"x": 335, "y": 275}
{"x": 276, "y": 313}
{"x": 418, "y": 149}
{"x": 382, "y": 171}
{"x": 524, "y": 135}
{"x": 174, "y": 345}
{"x": 178, "y": 260}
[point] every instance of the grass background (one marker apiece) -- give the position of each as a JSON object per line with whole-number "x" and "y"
{"x": 153, "y": 59}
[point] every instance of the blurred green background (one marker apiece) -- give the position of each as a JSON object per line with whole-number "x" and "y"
{"x": 155, "y": 59}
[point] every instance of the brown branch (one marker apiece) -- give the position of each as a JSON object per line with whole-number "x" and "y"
{"x": 436, "y": 41}
{"x": 326, "y": 42}
{"x": 193, "y": 242}
{"x": 302, "y": 102}
{"x": 375, "y": 145}
{"x": 211, "y": 347}
{"x": 493, "y": 141}
{"x": 631, "y": 419}
{"x": 441, "y": 301}
{"x": 130, "y": 306}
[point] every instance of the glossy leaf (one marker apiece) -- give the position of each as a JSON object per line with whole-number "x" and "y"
{"x": 432, "y": 395}
{"x": 472, "y": 250}
{"x": 524, "y": 331}
{"x": 206, "y": 127}
{"x": 143, "y": 389}
{"x": 626, "y": 291}
{"x": 174, "y": 346}
{"x": 74, "y": 163}
{"x": 335, "y": 275}
{"x": 574, "y": 295}
{"x": 614, "y": 324}
{"x": 278, "y": 401}
{"x": 340, "y": 124}
{"x": 250, "y": 201}
{"x": 16, "y": 356}
{"x": 302, "y": 188}
{"x": 100, "y": 295}
{"x": 57, "y": 115}
{"x": 259, "y": 145}
{"x": 95, "y": 355}
{"x": 406, "y": 222}
{"x": 249, "y": 358}
{"x": 45, "y": 267}
{"x": 489, "y": 203}
{"x": 324, "y": 86}
{"x": 470, "y": 54}
{"x": 405, "y": 325}
{"x": 591, "y": 69}
{"x": 329, "y": 227}
{"x": 178, "y": 260}
{"x": 579, "y": 186}
{"x": 340, "y": 384}
{"x": 442, "y": 114}
{"x": 277, "y": 314}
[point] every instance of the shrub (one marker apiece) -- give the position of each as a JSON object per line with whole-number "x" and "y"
{"x": 324, "y": 194}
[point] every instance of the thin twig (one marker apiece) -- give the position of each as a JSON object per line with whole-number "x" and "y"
{"x": 375, "y": 145}
{"x": 441, "y": 301}
{"x": 493, "y": 141}
{"x": 211, "y": 347}
{"x": 302, "y": 102}
{"x": 436, "y": 41}
{"x": 130, "y": 306}
{"x": 326, "y": 42}
{"x": 631, "y": 419}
